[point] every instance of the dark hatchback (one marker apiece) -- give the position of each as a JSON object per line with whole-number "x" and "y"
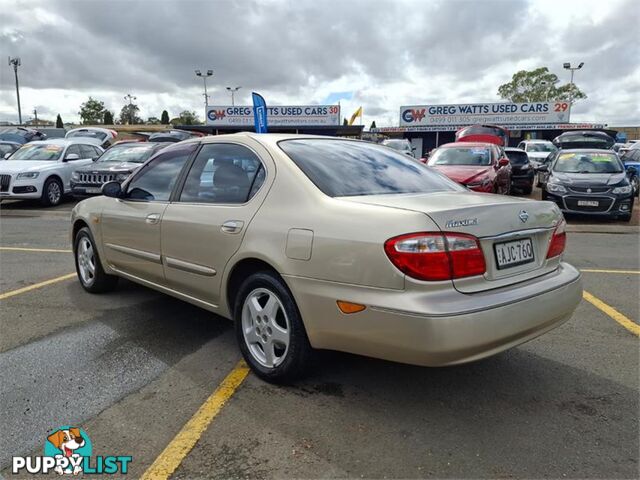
{"x": 115, "y": 164}
{"x": 589, "y": 181}
{"x": 522, "y": 171}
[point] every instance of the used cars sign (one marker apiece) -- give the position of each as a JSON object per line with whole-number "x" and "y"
{"x": 276, "y": 116}
{"x": 492, "y": 113}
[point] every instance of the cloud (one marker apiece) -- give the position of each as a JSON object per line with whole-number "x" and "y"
{"x": 382, "y": 53}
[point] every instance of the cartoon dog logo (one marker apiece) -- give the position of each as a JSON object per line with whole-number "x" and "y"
{"x": 67, "y": 441}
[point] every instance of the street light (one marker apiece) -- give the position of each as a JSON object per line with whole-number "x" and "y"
{"x": 129, "y": 97}
{"x": 567, "y": 66}
{"x": 204, "y": 76}
{"x": 233, "y": 91}
{"x": 547, "y": 87}
{"x": 15, "y": 63}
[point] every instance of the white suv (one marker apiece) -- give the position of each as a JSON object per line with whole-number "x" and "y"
{"x": 43, "y": 169}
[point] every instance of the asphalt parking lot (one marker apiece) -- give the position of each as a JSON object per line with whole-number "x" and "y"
{"x": 134, "y": 367}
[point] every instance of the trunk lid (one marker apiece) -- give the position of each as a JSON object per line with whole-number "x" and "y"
{"x": 494, "y": 219}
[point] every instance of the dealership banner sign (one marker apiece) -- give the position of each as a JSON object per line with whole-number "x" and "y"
{"x": 512, "y": 127}
{"x": 303, "y": 115}
{"x": 484, "y": 113}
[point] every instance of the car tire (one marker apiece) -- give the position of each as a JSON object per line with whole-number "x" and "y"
{"x": 635, "y": 184}
{"x": 270, "y": 331}
{"x": 544, "y": 194}
{"x": 52, "y": 192}
{"x": 88, "y": 266}
{"x": 527, "y": 190}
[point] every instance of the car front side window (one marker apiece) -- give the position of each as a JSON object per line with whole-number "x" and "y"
{"x": 155, "y": 181}
{"x": 223, "y": 173}
{"x": 73, "y": 149}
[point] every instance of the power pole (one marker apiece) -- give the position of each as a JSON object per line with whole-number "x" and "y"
{"x": 15, "y": 63}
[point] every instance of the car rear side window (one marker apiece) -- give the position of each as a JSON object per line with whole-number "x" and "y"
{"x": 342, "y": 168}
{"x": 223, "y": 173}
{"x": 156, "y": 180}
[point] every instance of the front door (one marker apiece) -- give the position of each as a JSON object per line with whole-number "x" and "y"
{"x": 205, "y": 226}
{"x": 72, "y": 163}
{"x": 131, "y": 224}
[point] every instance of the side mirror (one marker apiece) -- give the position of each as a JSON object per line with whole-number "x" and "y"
{"x": 504, "y": 162}
{"x": 71, "y": 157}
{"x": 543, "y": 168}
{"x": 632, "y": 171}
{"x": 112, "y": 189}
{"x": 7, "y": 155}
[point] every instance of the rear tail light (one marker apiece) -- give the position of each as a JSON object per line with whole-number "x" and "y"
{"x": 436, "y": 256}
{"x": 558, "y": 240}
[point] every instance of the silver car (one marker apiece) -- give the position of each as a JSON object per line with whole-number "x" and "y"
{"x": 325, "y": 243}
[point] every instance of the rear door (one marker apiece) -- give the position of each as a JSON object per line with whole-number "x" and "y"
{"x": 205, "y": 225}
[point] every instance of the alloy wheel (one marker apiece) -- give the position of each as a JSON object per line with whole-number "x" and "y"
{"x": 86, "y": 261}
{"x": 54, "y": 193}
{"x": 265, "y": 327}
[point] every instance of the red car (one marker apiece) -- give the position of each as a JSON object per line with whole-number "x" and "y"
{"x": 482, "y": 167}
{"x": 485, "y": 134}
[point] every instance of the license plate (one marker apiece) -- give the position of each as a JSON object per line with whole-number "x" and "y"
{"x": 93, "y": 190}
{"x": 587, "y": 203}
{"x": 516, "y": 252}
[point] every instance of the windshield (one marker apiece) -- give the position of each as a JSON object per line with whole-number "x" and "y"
{"x": 588, "y": 163}
{"x": 88, "y": 133}
{"x": 517, "y": 158}
{"x": 127, "y": 153}
{"x": 347, "y": 168}
{"x": 33, "y": 151}
{"x": 5, "y": 148}
{"x": 397, "y": 144}
{"x": 461, "y": 156}
{"x": 541, "y": 147}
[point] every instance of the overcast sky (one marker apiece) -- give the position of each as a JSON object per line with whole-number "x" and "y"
{"x": 374, "y": 53}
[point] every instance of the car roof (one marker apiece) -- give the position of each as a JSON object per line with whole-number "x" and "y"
{"x": 588, "y": 150}
{"x": 513, "y": 149}
{"x": 536, "y": 140}
{"x": 467, "y": 144}
{"x": 63, "y": 142}
{"x": 99, "y": 129}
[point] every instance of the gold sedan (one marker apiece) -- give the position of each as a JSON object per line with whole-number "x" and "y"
{"x": 326, "y": 243}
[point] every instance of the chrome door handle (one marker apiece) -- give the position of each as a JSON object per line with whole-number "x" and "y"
{"x": 153, "y": 218}
{"x": 232, "y": 226}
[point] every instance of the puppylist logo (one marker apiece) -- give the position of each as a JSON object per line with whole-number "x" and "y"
{"x": 68, "y": 451}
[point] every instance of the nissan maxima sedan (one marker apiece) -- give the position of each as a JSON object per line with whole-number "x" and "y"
{"x": 324, "y": 243}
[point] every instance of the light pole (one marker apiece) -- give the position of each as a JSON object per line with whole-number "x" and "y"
{"x": 15, "y": 63}
{"x": 204, "y": 76}
{"x": 233, "y": 91}
{"x": 129, "y": 97}
{"x": 568, "y": 66}
{"x": 547, "y": 87}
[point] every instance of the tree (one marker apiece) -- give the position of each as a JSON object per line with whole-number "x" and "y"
{"x": 164, "y": 118}
{"x": 129, "y": 114}
{"x": 108, "y": 118}
{"x": 186, "y": 118}
{"x": 373, "y": 125}
{"x": 59, "y": 123}
{"x": 539, "y": 85}
{"x": 91, "y": 112}
{"x": 153, "y": 121}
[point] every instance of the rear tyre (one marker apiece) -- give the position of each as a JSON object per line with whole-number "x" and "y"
{"x": 52, "y": 192}
{"x": 88, "y": 267}
{"x": 269, "y": 329}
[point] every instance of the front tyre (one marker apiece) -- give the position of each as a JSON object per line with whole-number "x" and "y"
{"x": 52, "y": 192}
{"x": 269, "y": 329}
{"x": 88, "y": 267}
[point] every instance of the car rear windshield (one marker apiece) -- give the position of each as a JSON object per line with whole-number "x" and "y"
{"x": 37, "y": 152}
{"x": 541, "y": 147}
{"x": 341, "y": 168}
{"x": 588, "y": 163}
{"x": 88, "y": 134}
{"x": 127, "y": 153}
{"x": 397, "y": 144}
{"x": 517, "y": 158}
{"x": 480, "y": 156}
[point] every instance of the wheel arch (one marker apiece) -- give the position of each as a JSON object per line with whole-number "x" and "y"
{"x": 239, "y": 272}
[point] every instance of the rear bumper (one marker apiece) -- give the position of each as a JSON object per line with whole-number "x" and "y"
{"x": 443, "y": 327}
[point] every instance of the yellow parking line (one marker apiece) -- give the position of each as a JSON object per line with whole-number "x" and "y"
{"x": 632, "y": 272}
{"x": 13, "y": 293}
{"x": 171, "y": 457}
{"x": 25, "y": 249}
{"x": 613, "y": 313}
